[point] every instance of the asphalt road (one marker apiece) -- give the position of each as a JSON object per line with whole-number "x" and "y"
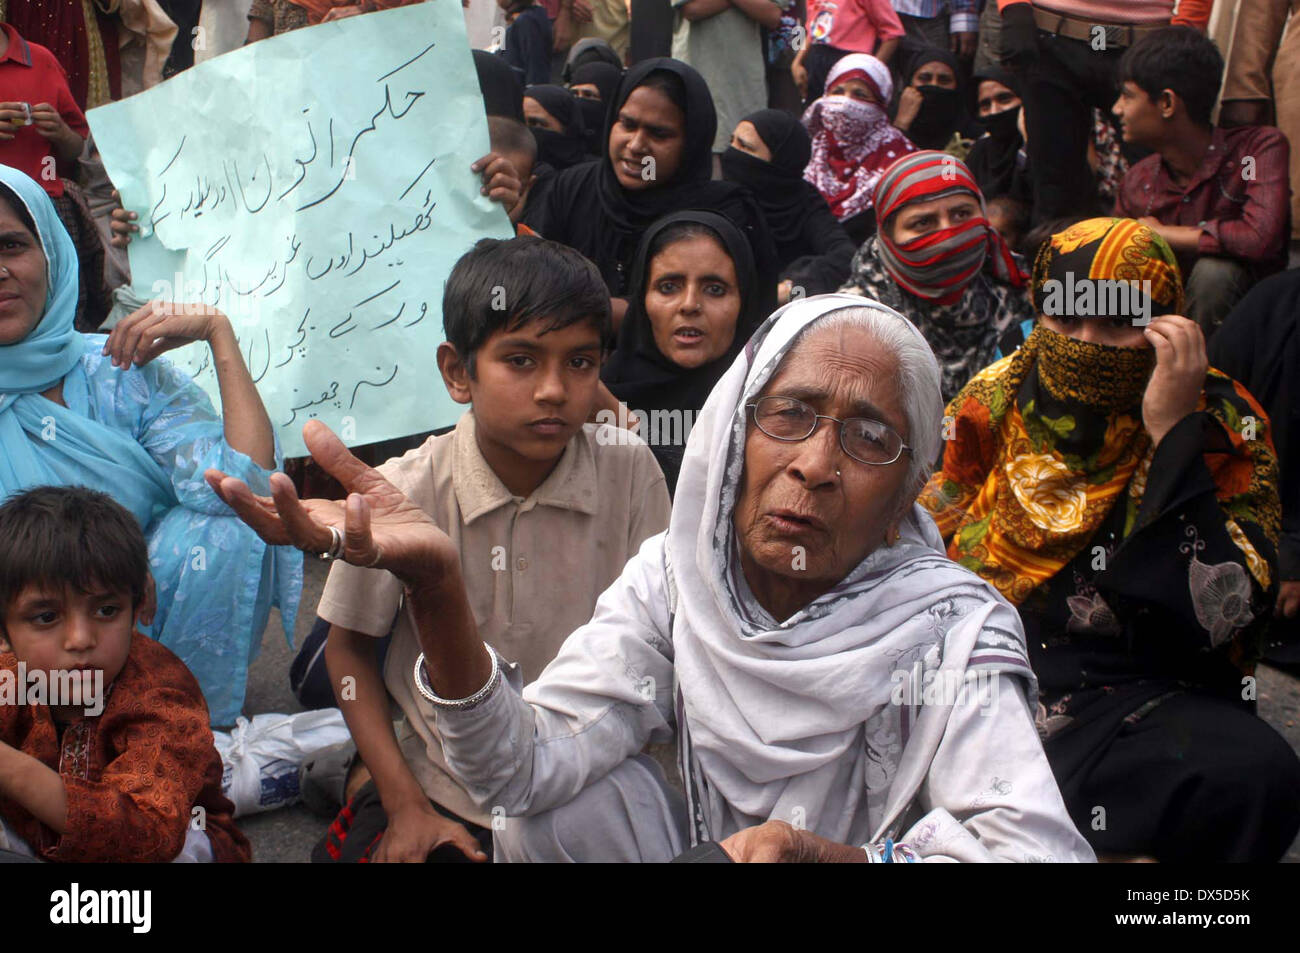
{"x": 288, "y": 835}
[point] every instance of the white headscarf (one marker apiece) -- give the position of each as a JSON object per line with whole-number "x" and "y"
{"x": 793, "y": 720}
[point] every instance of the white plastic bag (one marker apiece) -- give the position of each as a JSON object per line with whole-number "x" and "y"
{"x": 260, "y": 759}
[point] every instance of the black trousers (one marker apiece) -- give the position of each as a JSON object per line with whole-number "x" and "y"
{"x": 1196, "y": 779}
{"x": 356, "y": 832}
{"x": 821, "y": 57}
{"x": 1062, "y": 88}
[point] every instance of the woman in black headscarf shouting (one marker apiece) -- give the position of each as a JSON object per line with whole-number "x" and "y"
{"x": 659, "y": 136}
{"x": 768, "y": 153}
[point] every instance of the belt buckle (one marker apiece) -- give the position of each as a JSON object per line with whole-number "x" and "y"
{"x": 1116, "y": 35}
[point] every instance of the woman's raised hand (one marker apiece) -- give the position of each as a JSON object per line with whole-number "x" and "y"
{"x": 1179, "y": 374}
{"x": 381, "y": 528}
{"x": 161, "y": 326}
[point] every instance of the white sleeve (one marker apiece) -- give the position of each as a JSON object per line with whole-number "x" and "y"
{"x": 605, "y": 695}
{"x": 990, "y": 792}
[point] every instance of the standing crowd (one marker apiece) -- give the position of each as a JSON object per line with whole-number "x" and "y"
{"x": 883, "y": 456}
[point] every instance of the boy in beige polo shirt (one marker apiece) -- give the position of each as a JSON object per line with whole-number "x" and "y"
{"x": 545, "y": 509}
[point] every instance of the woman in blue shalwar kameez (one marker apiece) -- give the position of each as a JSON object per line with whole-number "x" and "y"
{"x": 102, "y": 412}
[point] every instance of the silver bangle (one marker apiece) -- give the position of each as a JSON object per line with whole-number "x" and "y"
{"x": 336, "y": 544}
{"x": 457, "y": 704}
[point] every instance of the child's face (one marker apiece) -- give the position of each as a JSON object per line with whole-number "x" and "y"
{"x": 531, "y": 391}
{"x": 55, "y": 630}
{"x": 1141, "y": 120}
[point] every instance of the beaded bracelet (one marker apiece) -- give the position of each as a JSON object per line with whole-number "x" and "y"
{"x": 457, "y": 704}
{"x": 889, "y": 853}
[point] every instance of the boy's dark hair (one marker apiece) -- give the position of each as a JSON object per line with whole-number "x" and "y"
{"x": 503, "y": 285}
{"x": 511, "y": 135}
{"x": 1177, "y": 58}
{"x": 59, "y": 535}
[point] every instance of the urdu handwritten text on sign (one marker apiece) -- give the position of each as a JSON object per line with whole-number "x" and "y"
{"x": 315, "y": 187}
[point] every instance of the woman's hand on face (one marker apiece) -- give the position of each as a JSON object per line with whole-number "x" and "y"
{"x": 121, "y": 223}
{"x": 1179, "y": 376}
{"x": 381, "y": 528}
{"x": 161, "y": 326}
{"x": 500, "y": 180}
{"x": 909, "y": 106}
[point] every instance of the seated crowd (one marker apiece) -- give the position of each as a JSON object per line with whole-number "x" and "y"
{"x": 857, "y": 482}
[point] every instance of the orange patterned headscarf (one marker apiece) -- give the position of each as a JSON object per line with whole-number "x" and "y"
{"x": 1044, "y": 443}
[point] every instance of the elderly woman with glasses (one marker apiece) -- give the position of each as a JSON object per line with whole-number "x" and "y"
{"x": 838, "y": 690}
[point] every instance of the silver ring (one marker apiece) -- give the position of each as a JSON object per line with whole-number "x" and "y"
{"x": 379, "y": 554}
{"x": 336, "y": 544}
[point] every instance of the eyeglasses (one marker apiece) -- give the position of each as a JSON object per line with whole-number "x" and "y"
{"x": 863, "y": 439}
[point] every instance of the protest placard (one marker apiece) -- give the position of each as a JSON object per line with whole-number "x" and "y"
{"x": 317, "y": 188}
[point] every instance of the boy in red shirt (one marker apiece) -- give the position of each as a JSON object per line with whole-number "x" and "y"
{"x": 1219, "y": 197}
{"x": 49, "y": 133}
{"x": 105, "y": 750}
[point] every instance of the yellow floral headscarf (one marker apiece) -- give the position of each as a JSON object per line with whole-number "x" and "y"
{"x": 1046, "y": 441}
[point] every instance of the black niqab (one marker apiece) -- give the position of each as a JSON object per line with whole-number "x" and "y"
{"x": 605, "y": 78}
{"x": 942, "y": 109}
{"x": 560, "y": 149}
{"x": 993, "y": 158}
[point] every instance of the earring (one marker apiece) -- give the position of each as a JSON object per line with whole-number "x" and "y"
{"x": 837, "y": 472}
